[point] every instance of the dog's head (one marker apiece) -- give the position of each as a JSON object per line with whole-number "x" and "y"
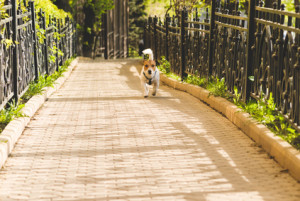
{"x": 149, "y": 67}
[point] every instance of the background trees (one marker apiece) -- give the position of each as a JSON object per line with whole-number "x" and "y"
{"x": 137, "y": 19}
{"x": 88, "y": 14}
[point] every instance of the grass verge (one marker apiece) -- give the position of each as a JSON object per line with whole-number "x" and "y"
{"x": 13, "y": 109}
{"x": 264, "y": 111}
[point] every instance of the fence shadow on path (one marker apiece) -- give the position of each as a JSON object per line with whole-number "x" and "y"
{"x": 167, "y": 147}
{"x": 231, "y": 153}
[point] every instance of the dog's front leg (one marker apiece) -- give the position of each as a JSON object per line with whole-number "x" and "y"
{"x": 146, "y": 89}
{"x": 155, "y": 87}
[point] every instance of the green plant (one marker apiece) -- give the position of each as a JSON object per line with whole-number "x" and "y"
{"x": 265, "y": 112}
{"x": 133, "y": 52}
{"x": 164, "y": 65}
{"x": 38, "y": 86}
{"x": 217, "y": 87}
{"x": 236, "y": 97}
{"x": 196, "y": 80}
{"x": 12, "y": 111}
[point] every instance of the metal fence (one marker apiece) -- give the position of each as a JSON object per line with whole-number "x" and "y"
{"x": 25, "y": 52}
{"x": 257, "y": 53}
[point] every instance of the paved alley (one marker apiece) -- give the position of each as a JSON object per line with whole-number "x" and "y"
{"x": 98, "y": 138}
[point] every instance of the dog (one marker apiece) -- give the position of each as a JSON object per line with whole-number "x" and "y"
{"x": 149, "y": 74}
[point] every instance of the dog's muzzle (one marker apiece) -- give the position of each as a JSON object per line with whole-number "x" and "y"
{"x": 149, "y": 72}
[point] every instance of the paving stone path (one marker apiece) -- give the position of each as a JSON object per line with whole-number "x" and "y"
{"x": 98, "y": 139}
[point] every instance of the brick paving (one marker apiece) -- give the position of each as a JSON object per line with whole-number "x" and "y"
{"x": 97, "y": 138}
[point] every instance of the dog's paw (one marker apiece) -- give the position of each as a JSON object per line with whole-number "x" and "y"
{"x": 145, "y": 96}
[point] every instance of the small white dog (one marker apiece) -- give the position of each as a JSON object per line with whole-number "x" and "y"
{"x": 149, "y": 74}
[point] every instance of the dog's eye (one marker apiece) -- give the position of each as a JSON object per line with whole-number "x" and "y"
{"x": 152, "y": 65}
{"x": 146, "y": 66}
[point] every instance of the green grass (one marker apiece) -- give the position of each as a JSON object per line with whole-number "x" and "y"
{"x": 13, "y": 110}
{"x": 196, "y": 80}
{"x": 264, "y": 111}
{"x": 38, "y": 87}
{"x": 165, "y": 67}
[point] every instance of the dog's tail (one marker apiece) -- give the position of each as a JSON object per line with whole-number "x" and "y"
{"x": 149, "y": 52}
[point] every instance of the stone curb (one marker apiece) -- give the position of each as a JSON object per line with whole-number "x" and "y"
{"x": 286, "y": 155}
{"x": 15, "y": 128}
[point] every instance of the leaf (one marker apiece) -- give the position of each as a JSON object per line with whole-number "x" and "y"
{"x": 251, "y": 78}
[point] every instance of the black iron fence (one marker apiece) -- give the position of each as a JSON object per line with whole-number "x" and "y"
{"x": 257, "y": 52}
{"x": 27, "y": 52}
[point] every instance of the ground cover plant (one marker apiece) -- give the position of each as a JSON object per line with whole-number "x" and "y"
{"x": 14, "y": 110}
{"x": 263, "y": 110}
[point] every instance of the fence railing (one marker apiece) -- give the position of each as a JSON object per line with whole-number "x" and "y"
{"x": 25, "y": 52}
{"x": 256, "y": 52}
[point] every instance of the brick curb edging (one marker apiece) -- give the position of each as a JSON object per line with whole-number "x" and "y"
{"x": 286, "y": 155}
{"x": 15, "y": 128}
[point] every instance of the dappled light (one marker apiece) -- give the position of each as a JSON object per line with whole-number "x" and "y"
{"x": 107, "y": 142}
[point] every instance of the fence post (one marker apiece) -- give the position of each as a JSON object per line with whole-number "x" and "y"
{"x": 155, "y": 38}
{"x": 69, "y": 37}
{"x": 297, "y": 71}
{"x": 43, "y": 16}
{"x": 250, "y": 44}
{"x": 167, "y": 21}
{"x": 15, "y": 50}
{"x": 57, "y": 24}
{"x": 105, "y": 36}
{"x": 211, "y": 35}
{"x": 35, "y": 53}
{"x": 183, "y": 43}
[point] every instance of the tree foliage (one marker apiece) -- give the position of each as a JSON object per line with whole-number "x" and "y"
{"x": 88, "y": 15}
{"x": 137, "y": 19}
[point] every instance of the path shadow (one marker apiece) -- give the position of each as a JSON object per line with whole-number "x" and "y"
{"x": 211, "y": 144}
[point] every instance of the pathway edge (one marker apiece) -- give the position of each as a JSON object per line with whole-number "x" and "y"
{"x": 282, "y": 152}
{"x": 15, "y": 128}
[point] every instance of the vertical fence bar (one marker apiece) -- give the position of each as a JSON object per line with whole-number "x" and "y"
{"x": 15, "y": 50}
{"x": 69, "y": 37}
{"x": 297, "y": 71}
{"x": 250, "y": 44}
{"x": 45, "y": 42}
{"x": 57, "y": 44}
{"x": 35, "y": 53}
{"x": 211, "y": 35}
{"x": 167, "y": 21}
{"x": 61, "y": 58}
{"x": 183, "y": 43}
{"x": 155, "y": 38}
{"x": 105, "y": 36}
